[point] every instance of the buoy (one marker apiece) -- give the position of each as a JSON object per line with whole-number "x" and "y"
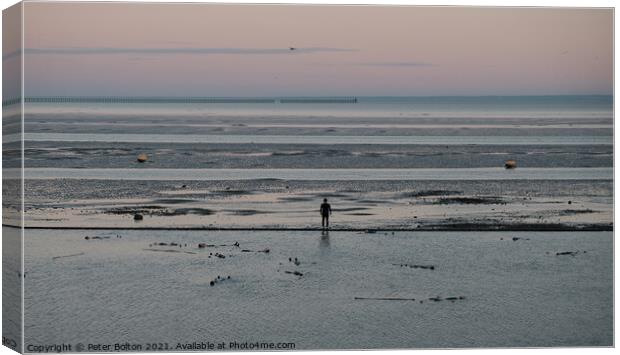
{"x": 510, "y": 164}
{"x": 142, "y": 158}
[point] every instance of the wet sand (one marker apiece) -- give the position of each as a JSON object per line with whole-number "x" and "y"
{"x": 320, "y": 290}
{"x": 293, "y": 205}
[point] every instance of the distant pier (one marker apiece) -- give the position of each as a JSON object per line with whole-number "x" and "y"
{"x": 181, "y": 100}
{"x": 338, "y": 100}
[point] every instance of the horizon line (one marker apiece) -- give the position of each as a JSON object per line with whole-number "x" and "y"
{"x": 129, "y": 99}
{"x": 306, "y": 96}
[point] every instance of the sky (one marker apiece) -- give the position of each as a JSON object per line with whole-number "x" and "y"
{"x": 178, "y": 49}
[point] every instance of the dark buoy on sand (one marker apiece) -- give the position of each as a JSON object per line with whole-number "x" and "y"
{"x": 142, "y": 158}
{"x": 138, "y": 217}
{"x": 510, "y": 164}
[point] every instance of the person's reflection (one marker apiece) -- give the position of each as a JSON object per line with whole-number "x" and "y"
{"x": 324, "y": 242}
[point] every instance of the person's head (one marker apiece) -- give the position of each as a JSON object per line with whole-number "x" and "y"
{"x": 324, "y": 200}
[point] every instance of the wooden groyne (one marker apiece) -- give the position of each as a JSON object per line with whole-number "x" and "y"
{"x": 10, "y": 102}
{"x": 150, "y": 100}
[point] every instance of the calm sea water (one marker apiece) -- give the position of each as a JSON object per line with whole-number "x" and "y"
{"x": 318, "y": 140}
{"x": 375, "y": 132}
{"x": 515, "y": 293}
{"x": 319, "y": 174}
{"x": 489, "y": 106}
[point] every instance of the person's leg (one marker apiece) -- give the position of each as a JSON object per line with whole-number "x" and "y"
{"x": 327, "y": 221}
{"x": 323, "y": 221}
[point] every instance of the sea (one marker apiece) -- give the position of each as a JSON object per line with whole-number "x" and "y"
{"x": 521, "y": 257}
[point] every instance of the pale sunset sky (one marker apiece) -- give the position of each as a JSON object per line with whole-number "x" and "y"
{"x": 178, "y": 49}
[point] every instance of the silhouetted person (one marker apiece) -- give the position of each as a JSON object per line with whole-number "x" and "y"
{"x": 326, "y": 211}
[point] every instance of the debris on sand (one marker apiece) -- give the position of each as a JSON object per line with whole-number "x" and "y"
{"x": 294, "y": 261}
{"x": 510, "y": 164}
{"x": 218, "y": 279}
{"x": 434, "y": 299}
{"x": 255, "y": 251}
{"x": 205, "y": 245}
{"x": 138, "y": 217}
{"x": 575, "y": 212}
{"x": 169, "y": 251}
{"x": 571, "y": 253}
{"x": 164, "y": 244}
{"x": 483, "y": 200}
{"x": 296, "y": 273}
{"x": 514, "y": 239}
{"x": 142, "y": 158}
{"x": 66, "y": 256}
{"x": 96, "y": 237}
{"x": 428, "y": 193}
{"x": 451, "y": 299}
{"x": 428, "y": 267}
{"x": 384, "y": 298}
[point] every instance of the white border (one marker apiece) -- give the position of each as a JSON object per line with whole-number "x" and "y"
{"x": 505, "y": 3}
